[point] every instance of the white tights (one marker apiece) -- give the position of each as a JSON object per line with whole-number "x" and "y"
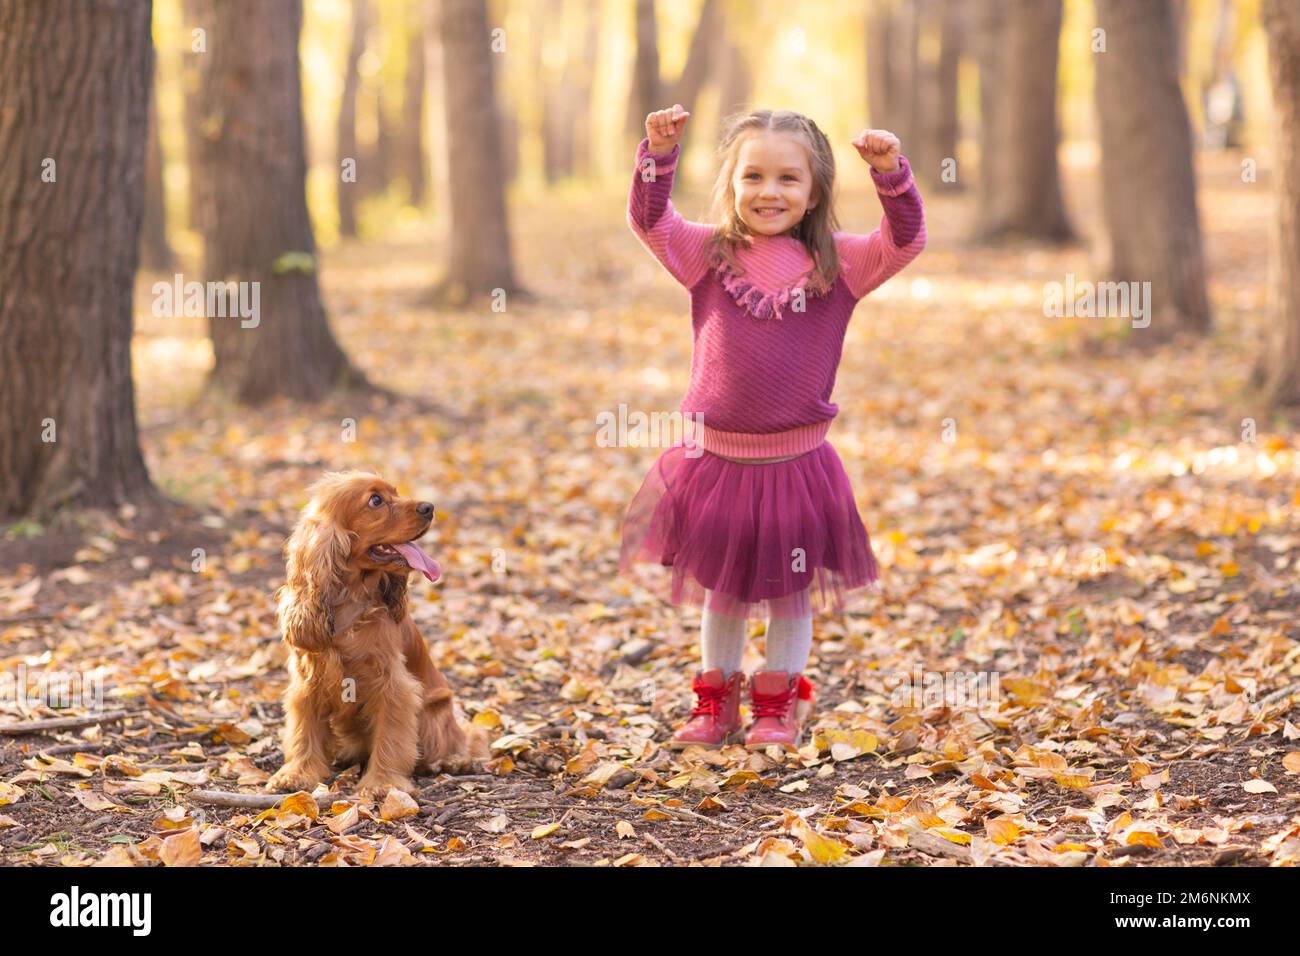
{"x": 789, "y": 636}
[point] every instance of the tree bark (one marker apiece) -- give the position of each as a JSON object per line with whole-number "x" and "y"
{"x": 567, "y": 98}
{"x": 256, "y": 228}
{"x": 556, "y": 107}
{"x": 879, "y": 35}
{"x": 379, "y": 154}
{"x": 1020, "y": 182}
{"x": 1221, "y": 98}
{"x": 582, "y": 79}
{"x": 893, "y": 72}
{"x": 508, "y": 125}
{"x": 646, "y": 88}
{"x": 940, "y": 128}
{"x": 913, "y": 51}
{"x": 1149, "y": 184}
{"x": 480, "y": 259}
{"x": 1281, "y": 362}
{"x": 917, "y": 44}
{"x": 191, "y": 76}
{"x": 347, "y": 186}
{"x": 155, "y": 253}
{"x": 699, "y": 58}
{"x": 1182, "y": 23}
{"x": 74, "y": 107}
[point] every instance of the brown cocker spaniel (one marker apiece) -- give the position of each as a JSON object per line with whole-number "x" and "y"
{"x": 362, "y": 686}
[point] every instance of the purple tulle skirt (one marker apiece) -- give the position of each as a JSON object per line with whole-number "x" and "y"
{"x": 754, "y": 536}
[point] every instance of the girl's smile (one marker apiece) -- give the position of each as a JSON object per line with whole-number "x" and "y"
{"x": 772, "y": 183}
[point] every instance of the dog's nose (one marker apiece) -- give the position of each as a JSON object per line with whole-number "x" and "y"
{"x": 425, "y": 508}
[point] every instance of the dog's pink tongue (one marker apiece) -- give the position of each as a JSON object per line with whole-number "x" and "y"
{"x": 419, "y": 560}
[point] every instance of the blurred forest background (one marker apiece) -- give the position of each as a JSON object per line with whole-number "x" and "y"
{"x": 406, "y": 123}
{"x": 569, "y": 107}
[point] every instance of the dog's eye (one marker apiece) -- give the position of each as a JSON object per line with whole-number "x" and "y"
{"x": 376, "y": 501}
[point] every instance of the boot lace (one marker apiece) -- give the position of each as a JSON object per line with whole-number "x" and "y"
{"x": 772, "y": 705}
{"x": 710, "y": 700}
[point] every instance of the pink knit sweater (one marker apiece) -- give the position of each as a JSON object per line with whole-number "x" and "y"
{"x": 761, "y": 372}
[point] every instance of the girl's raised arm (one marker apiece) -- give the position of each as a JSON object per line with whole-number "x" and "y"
{"x": 867, "y": 261}
{"x": 679, "y": 244}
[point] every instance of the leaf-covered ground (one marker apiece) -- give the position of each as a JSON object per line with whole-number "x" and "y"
{"x": 1095, "y": 524}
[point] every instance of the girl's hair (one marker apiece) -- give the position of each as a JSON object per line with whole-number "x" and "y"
{"x": 814, "y": 230}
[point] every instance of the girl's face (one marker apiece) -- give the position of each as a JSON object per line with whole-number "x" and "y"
{"x": 772, "y": 182}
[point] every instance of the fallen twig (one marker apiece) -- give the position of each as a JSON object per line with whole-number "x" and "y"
{"x": 25, "y": 618}
{"x": 60, "y": 723}
{"x": 446, "y": 815}
{"x": 73, "y": 748}
{"x": 1279, "y": 694}
{"x": 653, "y": 841}
{"x": 691, "y": 814}
{"x": 246, "y": 801}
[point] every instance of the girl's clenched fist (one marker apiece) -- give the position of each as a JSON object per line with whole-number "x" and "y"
{"x": 879, "y": 147}
{"x": 664, "y": 128}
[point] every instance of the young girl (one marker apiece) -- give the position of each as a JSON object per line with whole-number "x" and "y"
{"x": 760, "y": 519}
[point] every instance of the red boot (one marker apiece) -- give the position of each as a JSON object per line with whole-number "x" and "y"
{"x": 716, "y": 718}
{"x": 782, "y": 702}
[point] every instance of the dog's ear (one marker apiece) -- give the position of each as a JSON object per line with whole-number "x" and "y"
{"x": 393, "y": 590}
{"x": 316, "y": 561}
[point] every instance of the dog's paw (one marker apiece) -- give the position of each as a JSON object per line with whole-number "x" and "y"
{"x": 291, "y": 780}
{"x": 377, "y": 788}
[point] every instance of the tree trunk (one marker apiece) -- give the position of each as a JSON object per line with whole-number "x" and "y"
{"x": 256, "y": 229}
{"x": 413, "y": 155}
{"x": 155, "y": 253}
{"x": 556, "y": 108}
{"x": 74, "y": 115}
{"x": 699, "y": 60}
{"x": 893, "y": 81}
{"x": 1149, "y": 186}
{"x": 348, "y": 174}
{"x": 880, "y": 48}
{"x": 1182, "y": 23}
{"x": 1282, "y": 359}
{"x": 191, "y": 76}
{"x": 913, "y": 51}
{"x": 379, "y": 155}
{"x": 646, "y": 89}
{"x": 733, "y": 77}
{"x": 480, "y": 259}
{"x": 1020, "y": 196}
{"x": 919, "y": 103}
{"x": 940, "y": 128}
{"x": 1221, "y": 98}
{"x": 904, "y": 72}
{"x": 566, "y": 93}
{"x": 582, "y": 80}
{"x": 508, "y": 125}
